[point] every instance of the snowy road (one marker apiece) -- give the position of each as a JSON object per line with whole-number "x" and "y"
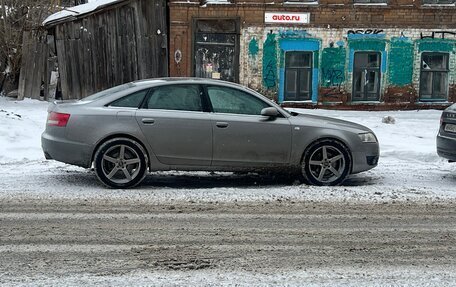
{"x": 248, "y": 244}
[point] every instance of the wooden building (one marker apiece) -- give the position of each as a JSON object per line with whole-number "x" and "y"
{"x": 105, "y": 43}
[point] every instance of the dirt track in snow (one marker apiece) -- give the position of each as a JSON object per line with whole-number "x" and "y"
{"x": 101, "y": 238}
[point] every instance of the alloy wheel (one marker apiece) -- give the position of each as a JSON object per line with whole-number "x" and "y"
{"x": 121, "y": 164}
{"x": 327, "y": 164}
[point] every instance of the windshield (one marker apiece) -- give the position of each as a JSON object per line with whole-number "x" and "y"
{"x": 107, "y": 92}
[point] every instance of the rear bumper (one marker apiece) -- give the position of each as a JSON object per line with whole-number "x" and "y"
{"x": 66, "y": 151}
{"x": 446, "y": 147}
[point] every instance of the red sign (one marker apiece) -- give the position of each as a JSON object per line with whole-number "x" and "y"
{"x": 277, "y": 17}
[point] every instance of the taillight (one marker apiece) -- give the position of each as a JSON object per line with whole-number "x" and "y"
{"x": 57, "y": 119}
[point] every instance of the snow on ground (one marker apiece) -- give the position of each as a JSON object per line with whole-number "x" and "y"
{"x": 21, "y": 125}
{"x": 409, "y": 167}
{"x": 309, "y": 277}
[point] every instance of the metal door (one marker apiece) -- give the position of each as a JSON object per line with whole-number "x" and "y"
{"x": 250, "y": 140}
{"x": 216, "y": 49}
{"x": 241, "y": 135}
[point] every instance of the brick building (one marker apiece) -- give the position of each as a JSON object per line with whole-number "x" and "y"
{"x": 376, "y": 54}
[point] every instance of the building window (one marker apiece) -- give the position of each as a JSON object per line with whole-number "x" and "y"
{"x": 366, "y": 76}
{"x": 370, "y": 1}
{"x": 438, "y": 2}
{"x": 298, "y": 76}
{"x": 434, "y": 76}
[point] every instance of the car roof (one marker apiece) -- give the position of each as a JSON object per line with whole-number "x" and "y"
{"x": 184, "y": 80}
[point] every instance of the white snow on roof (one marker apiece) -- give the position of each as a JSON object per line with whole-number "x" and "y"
{"x": 78, "y": 10}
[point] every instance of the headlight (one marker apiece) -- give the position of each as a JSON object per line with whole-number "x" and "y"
{"x": 368, "y": 137}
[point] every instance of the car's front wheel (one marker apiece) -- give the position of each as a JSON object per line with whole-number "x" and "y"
{"x": 120, "y": 163}
{"x": 326, "y": 162}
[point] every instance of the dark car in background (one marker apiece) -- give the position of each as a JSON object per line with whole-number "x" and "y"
{"x": 446, "y": 138}
{"x": 201, "y": 124}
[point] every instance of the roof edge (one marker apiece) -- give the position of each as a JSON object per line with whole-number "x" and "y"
{"x": 73, "y": 13}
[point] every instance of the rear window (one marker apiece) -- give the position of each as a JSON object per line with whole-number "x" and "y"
{"x": 130, "y": 101}
{"x": 108, "y": 92}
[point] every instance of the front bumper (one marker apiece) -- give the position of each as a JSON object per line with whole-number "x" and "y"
{"x": 367, "y": 158}
{"x": 66, "y": 151}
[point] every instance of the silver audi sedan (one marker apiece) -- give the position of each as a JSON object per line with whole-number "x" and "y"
{"x": 205, "y": 125}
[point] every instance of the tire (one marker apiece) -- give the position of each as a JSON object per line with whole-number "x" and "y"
{"x": 326, "y": 162}
{"x": 120, "y": 163}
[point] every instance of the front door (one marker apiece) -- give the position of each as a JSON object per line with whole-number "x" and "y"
{"x": 241, "y": 135}
{"x": 366, "y": 76}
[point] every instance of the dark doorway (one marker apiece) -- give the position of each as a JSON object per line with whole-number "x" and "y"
{"x": 366, "y": 76}
{"x": 216, "y": 49}
{"x": 298, "y": 76}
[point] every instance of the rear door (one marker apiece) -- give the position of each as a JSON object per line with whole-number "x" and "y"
{"x": 242, "y": 137}
{"x": 175, "y": 125}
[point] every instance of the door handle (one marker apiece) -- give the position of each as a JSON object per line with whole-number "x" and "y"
{"x": 221, "y": 124}
{"x": 148, "y": 121}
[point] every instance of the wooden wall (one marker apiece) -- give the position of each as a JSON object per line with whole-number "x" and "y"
{"x": 33, "y": 65}
{"x": 119, "y": 44}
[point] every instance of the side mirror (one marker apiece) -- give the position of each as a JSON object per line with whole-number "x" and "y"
{"x": 270, "y": 112}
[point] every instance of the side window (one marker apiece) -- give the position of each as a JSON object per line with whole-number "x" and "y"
{"x": 130, "y": 101}
{"x": 232, "y": 101}
{"x": 176, "y": 97}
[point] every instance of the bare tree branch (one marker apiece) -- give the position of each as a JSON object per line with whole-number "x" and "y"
{"x": 17, "y": 16}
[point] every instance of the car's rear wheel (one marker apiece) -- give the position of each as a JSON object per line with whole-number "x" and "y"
{"x": 326, "y": 162}
{"x": 120, "y": 163}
